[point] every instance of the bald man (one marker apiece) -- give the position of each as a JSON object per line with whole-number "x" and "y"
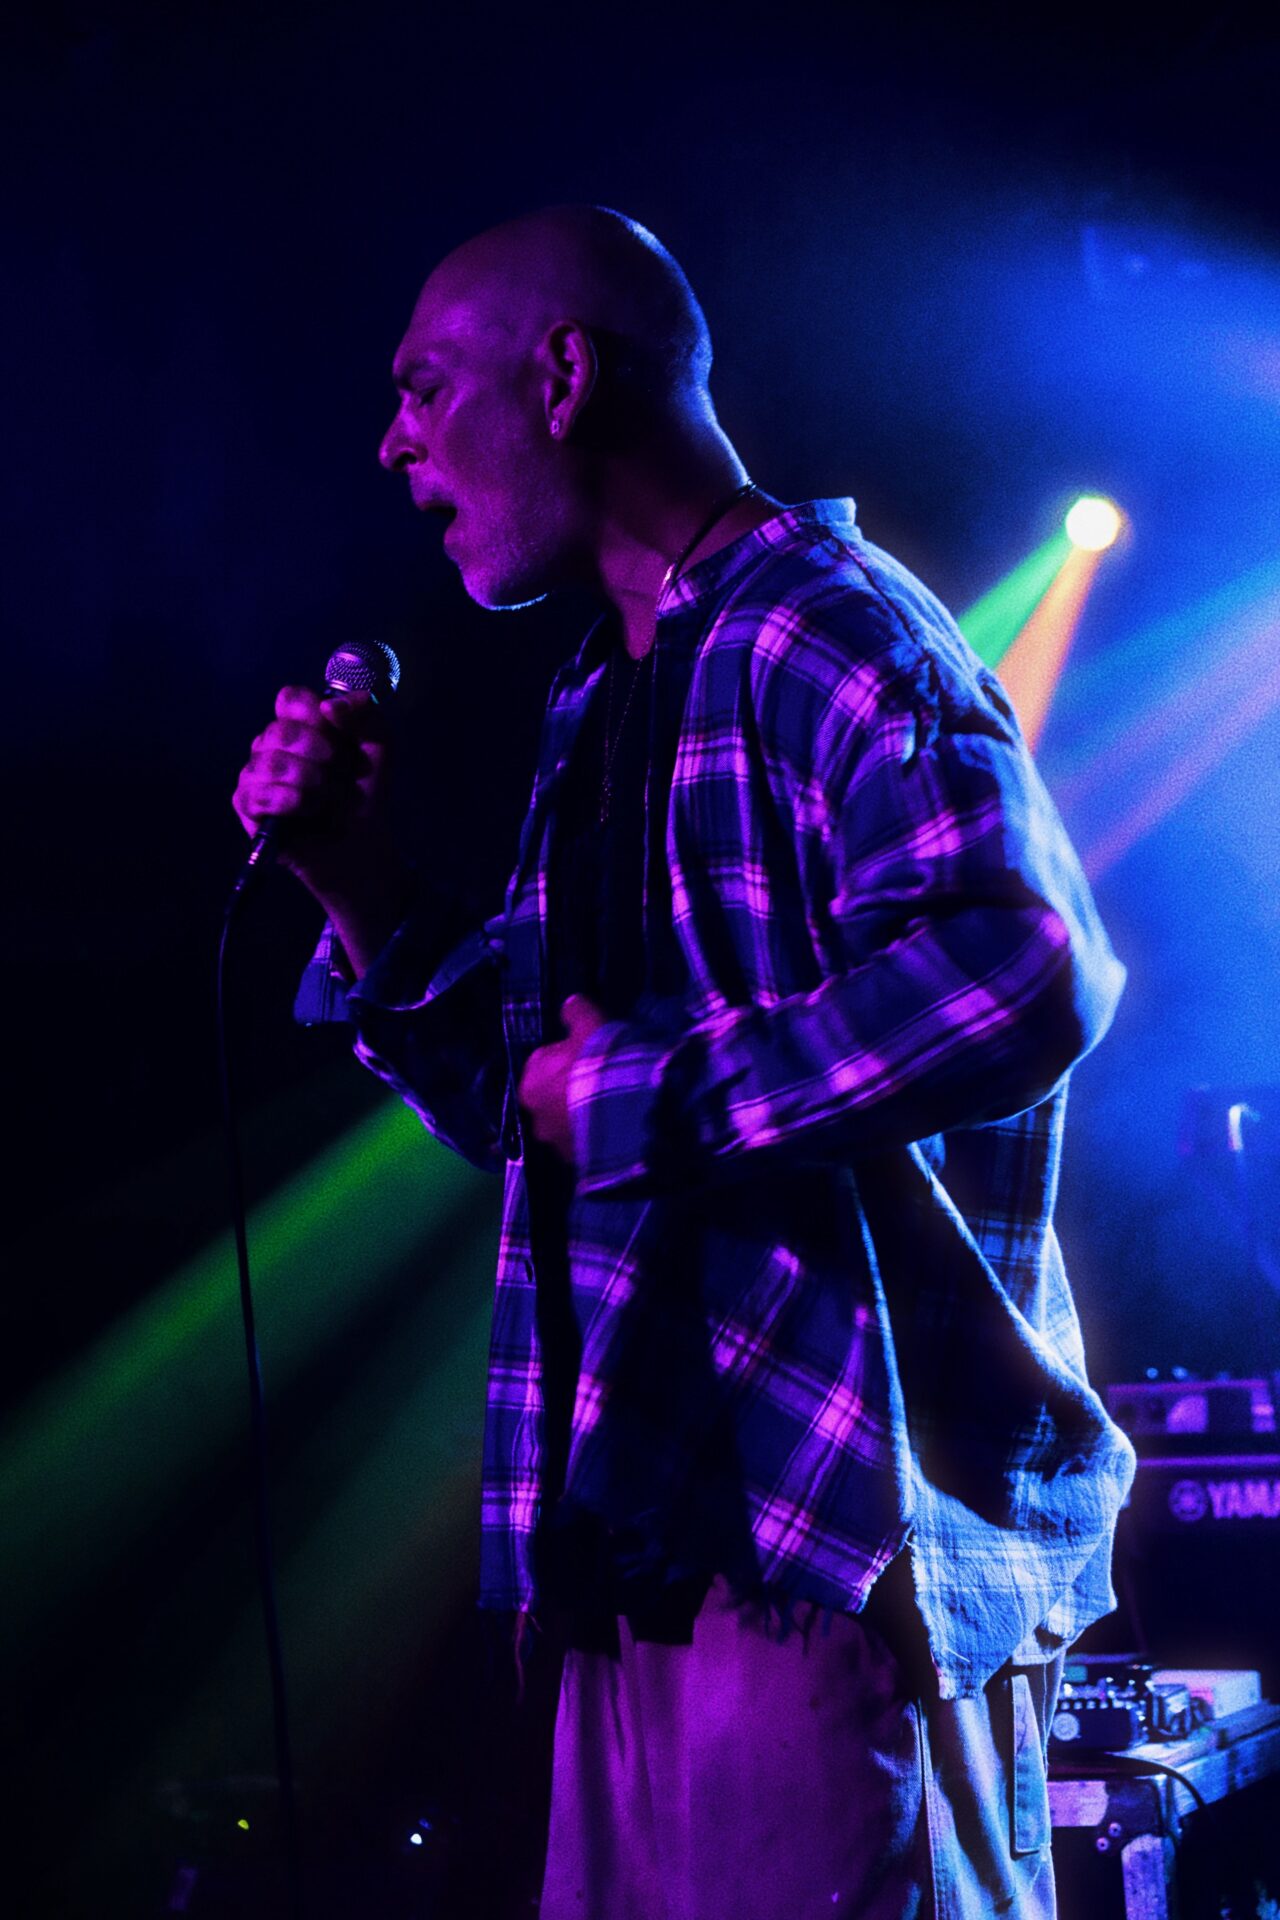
{"x": 788, "y": 1423}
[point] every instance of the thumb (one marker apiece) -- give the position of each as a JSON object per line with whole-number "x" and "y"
{"x": 357, "y": 715}
{"x": 582, "y": 1017}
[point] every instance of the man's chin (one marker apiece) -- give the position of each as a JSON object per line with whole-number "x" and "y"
{"x": 501, "y": 596}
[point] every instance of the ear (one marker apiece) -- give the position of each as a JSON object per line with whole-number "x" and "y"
{"x": 570, "y": 369}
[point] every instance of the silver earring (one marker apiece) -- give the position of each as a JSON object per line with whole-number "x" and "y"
{"x": 555, "y": 428}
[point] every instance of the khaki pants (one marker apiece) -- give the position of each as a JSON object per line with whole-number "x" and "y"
{"x": 805, "y": 1773}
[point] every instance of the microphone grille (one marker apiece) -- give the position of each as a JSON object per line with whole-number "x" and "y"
{"x": 363, "y": 666}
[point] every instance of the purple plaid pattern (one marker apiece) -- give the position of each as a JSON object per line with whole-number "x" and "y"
{"x": 821, "y": 1305}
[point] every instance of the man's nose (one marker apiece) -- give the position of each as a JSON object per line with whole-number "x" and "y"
{"x": 398, "y": 451}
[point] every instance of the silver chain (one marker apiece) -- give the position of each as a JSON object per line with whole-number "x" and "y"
{"x": 673, "y": 573}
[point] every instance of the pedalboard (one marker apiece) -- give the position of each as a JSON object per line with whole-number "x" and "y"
{"x": 1125, "y": 1707}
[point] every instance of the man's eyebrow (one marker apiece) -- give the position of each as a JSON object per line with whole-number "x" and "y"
{"x": 403, "y": 371}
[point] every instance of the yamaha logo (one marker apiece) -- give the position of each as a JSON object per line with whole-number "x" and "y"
{"x": 1225, "y": 1499}
{"x": 1188, "y": 1500}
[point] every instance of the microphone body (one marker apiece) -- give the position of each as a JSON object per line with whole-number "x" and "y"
{"x": 360, "y": 666}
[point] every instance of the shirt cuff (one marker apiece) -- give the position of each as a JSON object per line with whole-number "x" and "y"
{"x": 321, "y": 999}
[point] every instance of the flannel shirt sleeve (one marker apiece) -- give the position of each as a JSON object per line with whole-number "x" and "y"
{"x": 973, "y": 972}
{"x": 428, "y": 1021}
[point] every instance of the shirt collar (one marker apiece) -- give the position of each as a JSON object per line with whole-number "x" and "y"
{"x": 795, "y": 527}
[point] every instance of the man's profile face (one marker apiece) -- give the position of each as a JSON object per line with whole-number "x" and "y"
{"x": 470, "y": 436}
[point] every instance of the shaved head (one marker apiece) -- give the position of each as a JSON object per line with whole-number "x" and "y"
{"x": 587, "y": 264}
{"x": 553, "y": 400}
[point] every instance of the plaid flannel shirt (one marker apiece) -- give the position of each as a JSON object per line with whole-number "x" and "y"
{"x": 820, "y": 1302}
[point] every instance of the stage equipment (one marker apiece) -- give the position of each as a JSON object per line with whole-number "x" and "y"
{"x": 1181, "y": 1405}
{"x": 1094, "y": 523}
{"x": 1227, "y": 1140}
{"x": 1117, "y": 1708}
{"x": 1187, "y": 1826}
{"x": 1197, "y": 1563}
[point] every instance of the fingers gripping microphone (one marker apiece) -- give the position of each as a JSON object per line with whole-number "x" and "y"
{"x": 361, "y": 666}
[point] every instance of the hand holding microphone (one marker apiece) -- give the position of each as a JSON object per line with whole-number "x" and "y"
{"x": 313, "y": 795}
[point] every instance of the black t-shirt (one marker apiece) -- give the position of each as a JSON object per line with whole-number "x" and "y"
{"x": 596, "y": 947}
{"x": 595, "y": 903}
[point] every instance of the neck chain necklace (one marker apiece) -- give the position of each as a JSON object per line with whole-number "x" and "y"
{"x": 612, "y": 740}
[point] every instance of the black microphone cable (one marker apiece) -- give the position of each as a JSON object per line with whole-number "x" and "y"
{"x": 359, "y": 667}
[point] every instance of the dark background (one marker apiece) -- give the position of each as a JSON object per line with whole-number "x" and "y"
{"x": 960, "y": 265}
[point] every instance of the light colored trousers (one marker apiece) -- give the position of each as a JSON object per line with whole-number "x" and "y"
{"x": 794, "y": 1775}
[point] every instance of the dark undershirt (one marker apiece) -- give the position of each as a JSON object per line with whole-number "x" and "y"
{"x": 596, "y": 947}
{"x": 596, "y": 881}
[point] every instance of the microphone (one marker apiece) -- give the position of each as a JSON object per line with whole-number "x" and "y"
{"x": 359, "y": 666}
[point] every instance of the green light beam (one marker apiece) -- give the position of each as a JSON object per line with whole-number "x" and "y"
{"x": 365, "y": 1584}
{"x": 378, "y": 1572}
{"x": 993, "y": 623}
{"x": 88, "y": 1464}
